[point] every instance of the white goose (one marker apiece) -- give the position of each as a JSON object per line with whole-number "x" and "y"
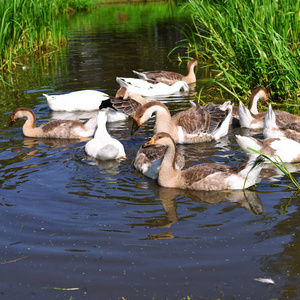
{"x": 147, "y": 88}
{"x": 60, "y": 129}
{"x": 288, "y": 127}
{"x": 197, "y": 124}
{"x": 208, "y": 176}
{"x": 170, "y": 78}
{"x": 85, "y": 100}
{"x": 288, "y": 150}
{"x": 103, "y": 146}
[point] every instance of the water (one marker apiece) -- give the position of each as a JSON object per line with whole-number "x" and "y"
{"x": 74, "y": 228}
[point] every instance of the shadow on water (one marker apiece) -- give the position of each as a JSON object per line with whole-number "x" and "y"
{"x": 73, "y": 227}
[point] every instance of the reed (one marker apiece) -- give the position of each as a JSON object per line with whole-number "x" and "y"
{"x": 280, "y": 165}
{"x": 250, "y": 44}
{"x": 29, "y": 26}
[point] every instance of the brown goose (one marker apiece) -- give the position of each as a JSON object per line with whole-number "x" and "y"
{"x": 148, "y": 160}
{"x": 61, "y": 129}
{"x": 255, "y": 120}
{"x": 288, "y": 127}
{"x": 256, "y": 95}
{"x": 197, "y": 124}
{"x": 208, "y": 176}
{"x": 170, "y": 78}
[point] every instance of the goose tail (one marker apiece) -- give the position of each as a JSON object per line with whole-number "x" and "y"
{"x": 246, "y": 142}
{"x": 244, "y": 116}
{"x": 270, "y": 123}
{"x": 141, "y": 75}
{"x": 222, "y": 130}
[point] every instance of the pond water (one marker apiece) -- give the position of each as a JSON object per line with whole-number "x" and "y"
{"x": 75, "y": 228}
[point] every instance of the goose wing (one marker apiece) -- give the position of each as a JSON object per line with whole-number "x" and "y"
{"x": 127, "y": 106}
{"x": 200, "y": 119}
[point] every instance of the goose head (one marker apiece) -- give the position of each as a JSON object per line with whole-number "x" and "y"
{"x": 21, "y": 113}
{"x": 257, "y": 94}
{"x": 144, "y": 113}
{"x": 161, "y": 139}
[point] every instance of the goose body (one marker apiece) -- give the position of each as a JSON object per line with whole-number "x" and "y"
{"x": 289, "y": 127}
{"x": 206, "y": 177}
{"x": 287, "y": 149}
{"x": 85, "y": 100}
{"x": 147, "y": 88}
{"x": 62, "y": 129}
{"x": 103, "y": 146}
{"x": 149, "y": 158}
{"x": 170, "y": 78}
{"x": 197, "y": 124}
{"x": 256, "y": 121}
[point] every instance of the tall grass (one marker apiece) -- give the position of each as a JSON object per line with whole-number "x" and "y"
{"x": 251, "y": 43}
{"x": 28, "y": 26}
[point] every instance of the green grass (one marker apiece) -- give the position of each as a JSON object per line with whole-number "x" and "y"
{"x": 249, "y": 44}
{"x": 280, "y": 165}
{"x": 29, "y": 26}
{"x": 33, "y": 27}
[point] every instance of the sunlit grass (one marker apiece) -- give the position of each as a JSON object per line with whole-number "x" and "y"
{"x": 28, "y": 27}
{"x": 250, "y": 44}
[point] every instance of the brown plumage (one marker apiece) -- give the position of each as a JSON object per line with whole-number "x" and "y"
{"x": 170, "y": 78}
{"x": 204, "y": 176}
{"x": 250, "y": 118}
{"x": 124, "y": 101}
{"x": 64, "y": 129}
{"x": 197, "y": 124}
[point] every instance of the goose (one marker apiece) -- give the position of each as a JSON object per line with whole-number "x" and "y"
{"x": 256, "y": 121}
{"x": 148, "y": 160}
{"x": 103, "y": 146}
{"x": 85, "y": 100}
{"x": 287, "y": 149}
{"x": 197, "y": 124}
{"x": 147, "y": 88}
{"x": 61, "y": 129}
{"x": 124, "y": 102}
{"x": 256, "y": 95}
{"x": 170, "y": 78}
{"x": 207, "y": 176}
{"x": 289, "y": 127}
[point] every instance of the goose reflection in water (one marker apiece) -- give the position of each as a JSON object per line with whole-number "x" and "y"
{"x": 168, "y": 198}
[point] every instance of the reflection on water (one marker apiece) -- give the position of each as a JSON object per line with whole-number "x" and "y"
{"x": 101, "y": 228}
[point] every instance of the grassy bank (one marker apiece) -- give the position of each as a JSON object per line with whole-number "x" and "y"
{"x": 28, "y": 27}
{"x": 250, "y": 44}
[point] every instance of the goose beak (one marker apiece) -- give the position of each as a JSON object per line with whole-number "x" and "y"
{"x": 11, "y": 123}
{"x": 151, "y": 142}
{"x": 135, "y": 127}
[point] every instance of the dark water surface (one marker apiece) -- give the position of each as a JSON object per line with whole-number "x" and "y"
{"x": 100, "y": 228}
